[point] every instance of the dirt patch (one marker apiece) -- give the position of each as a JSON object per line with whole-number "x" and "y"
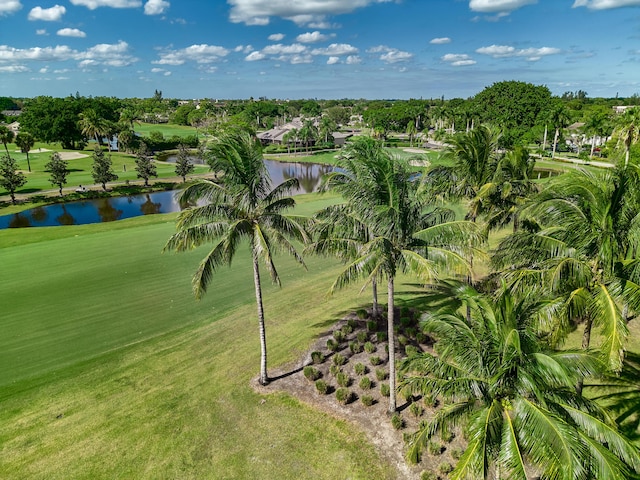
{"x": 373, "y": 420}
{"x": 72, "y": 155}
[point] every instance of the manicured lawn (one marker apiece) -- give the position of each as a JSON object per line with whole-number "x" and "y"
{"x": 167, "y": 129}
{"x": 112, "y": 369}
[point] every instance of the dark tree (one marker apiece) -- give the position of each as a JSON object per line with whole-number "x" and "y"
{"x": 57, "y": 168}
{"x": 6, "y": 136}
{"x": 102, "y": 168}
{"x": 25, "y": 142}
{"x": 10, "y": 178}
{"x": 144, "y": 164}
{"x": 184, "y": 165}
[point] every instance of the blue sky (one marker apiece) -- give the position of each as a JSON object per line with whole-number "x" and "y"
{"x": 316, "y": 48}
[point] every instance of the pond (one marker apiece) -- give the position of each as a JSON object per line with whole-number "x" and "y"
{"x": 101, "y": 210}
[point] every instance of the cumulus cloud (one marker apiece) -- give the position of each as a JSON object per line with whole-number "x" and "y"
{"x": 498, "y": 6}
{"x": 458, "y": 59}
{"x": 507, "y": 51}
{"x": 155, "y": 7}
{"x": 71, "y": 32}
{"x": 278, "y": 49}
{"x": 7, "y": 7}
{"x": 336, "y": 49}
{"x": 243, "y": 49}
{"x": 195, "y": 53}
{"x": 110, "y": 54}
{"x": 353, "y": 60}
{"x": 605, "y": 4}
{"x": 276, "y": 37}
{"x": 302, "y": 12}
{"x": 93, "y": 4}
{"x": 52, "y": 14}
{"x": 391, "y": 55}
{"x": 333, "y": 60}
{"x": 255, "y": 56}
{"x": 13, "y": 69}
{"x": 440, "y": 40}
{"x": 41, "y": 31}
{"x": 312, "y": 37}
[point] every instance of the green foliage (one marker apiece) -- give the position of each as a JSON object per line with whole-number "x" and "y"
{"x": 372, "y": 325}
{"x": 402, "y": 340}
{"x": 102, "y": 168}
{"x": 445, "y": 468}
{"x": 352, "y": 324}
{"x": 421, "y": 338}
{"x": 365, "y": 383}
{"x": 360, "y": 368}
{"x": 385, "y": 391}
{"x": 456, "y": 453}
{"x": 145, "y": 167}
{"x": 411, "y": 350}
{"x": 362, "y": 313}
{"x": 381, "y": 337}
{"x": 184, "y": 165}
{"x": 375, "y": 360}
{"x": 397, "y": 421}
{"x": 339, "y": 359}
{"x": 367, "y": 400}
{"x": 434, "y": 448}
{"x": 416, "y": 410}
{"x": 322, "y": 387}
{"x": 346, "y": 330}
{"x": 332, "y": 345}
{"x": 381, "y": 374}
{"x": 343, "y": 379}
{"x": 447, "y": 436}
{"x": 311, "y": 373}
{"x": 58, "y": 171}
{"x": 10, "y": 178}
{"x": 426, "y": 475}
{"x": 344, "y": 395}
{"x": 317, "y": 357}
{"x": 362, "y": 336}
{"x": 369, "y": 347}
{"x": 334, "y": 370}
{"x": 338, "y": 335}
{"x": 355, "y": 347}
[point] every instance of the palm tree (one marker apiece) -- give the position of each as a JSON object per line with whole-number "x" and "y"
{"x": 627, "y": 128}
{"x": 411, "y": 130}
{"x": 400, "y": 235}
{"x": 6, "y": 137}
{"x": 581, "y": 246}
{"x": 514, "y": 397}
{"x": 559, "y": 117}
{"x": 25, "y": 142}
{"x": 93, "y": 126}
{"x": 597, "y": 125}
{"x": 243, "y": 207}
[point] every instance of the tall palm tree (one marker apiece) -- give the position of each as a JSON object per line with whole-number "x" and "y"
{"x": 6, "y": 137}
{"x": 243, "y": 207}
{"x": 597, "y": 125}
{"x": 582, "y": 246}
{"x": 627, "y": 128}
{"x": 93, "y": 126}
{"x": 25, "y": 142}
{"x": 400, "y": 234}
{"x": 514, "y": 397}
{"x": 559, "y": 117}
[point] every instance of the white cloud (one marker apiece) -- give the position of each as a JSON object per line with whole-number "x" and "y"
{"x": 498, "y": 6}
{"x": 7, "y": 7}
{"x": 155, "y": 7}
{"x": 59, "y": 52}
{"x": 71, "y": 32}
{"x": 296, "y": 59}
{"x": 391, "y": 55}
{"x": 196, "y": 53}
{"x": 52, "y": 14}
{"x": 243, "y": 49}
{"x": 157, "y": 70}
{"x": 605, "y": 4}
{"x": 41, "y": 31}
{"x": 110, "y": 54}
{"x": 458, "y": 59}
{"x": 353, "y": 60}
{"x": 276, "y": 37}
{"x": 333, "y": 60}
{"x": 336, "y": 49}
{"x": 278, "y": 48}
{"x": 507, "y": 51}
{"x": 255, "y": 56}
{"x": 312, "y": 37}
{"x": 302, "y": 12}
{"x": 440, "y": 40}
{"x": 13, "y": 69}
{"x": 93, "y": 4}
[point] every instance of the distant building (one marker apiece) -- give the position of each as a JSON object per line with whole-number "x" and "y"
{"x": 275, "y": 136}
{"x": 14, "y": 127}
{"x": 622, "y": 108}
{"x": 11, "y": 113}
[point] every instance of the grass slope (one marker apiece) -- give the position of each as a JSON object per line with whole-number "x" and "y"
{"x": 112, "y": 369}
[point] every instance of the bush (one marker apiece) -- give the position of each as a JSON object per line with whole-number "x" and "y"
{"x": 397, "y": 421}
{"x": 317, "y": 357}
{"x": 338, "y": 335}
{"x": 406, "y": 321}
{"x": 367, "y": 400}
{"x": 372, "y": 325}
{"x": 362, "y": 337}
{"x": 352, "y": 323}
{"x": 360, "y": 368}
{"x": 434, "y": 448}
{"x": 375, "y": 360}
{"x": 416, "y": 409}
{"x": 361, "y": 313}
{"x": 311, "y": 373}
{"x": 447, "y": 436}
{"x": 445, "y": 468}
{"x": 457, "y": 453}
{"x": 339, "y": 359}
{"x": 411, "y": 350}
{"x": 369, "y": 347}
{"x": 381, "y": 336}
{"x": 343, "y": 395}
{"x": 342, "y": 379}
{"x": 332, "y": 345}
{"x": 425, "y": 475}
{"x": 346, "y": 330}
{"x": 365, "y": 383}
{"x": 411, "y": 332}
{"x": 384, "y": 390}
{"x": 402, "y": 340}
{"x": 322, "y": 387}
{"x": 430, "y": 402}
{"x": 334, "y": 370}
{"x": 381, "y": 374}
{"x": 355, "y": 347}
{"x": 421, "y": 338}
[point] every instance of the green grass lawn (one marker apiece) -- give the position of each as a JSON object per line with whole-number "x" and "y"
{"x": 167, "y": 129}
{"x": 112, "y": 369}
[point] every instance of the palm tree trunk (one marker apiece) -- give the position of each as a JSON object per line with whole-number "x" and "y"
{"x": 593, "y": 145}
{"x": 392, "y": 347}
{"x": 555, "y": 143}
{"x": 544, "y": 139}
{"x": 374, "y": 308}
{"x": 264, "y": 379}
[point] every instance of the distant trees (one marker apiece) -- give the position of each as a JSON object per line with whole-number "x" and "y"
{"x": 58, "y": 171}
{"x": 10, "y": 178}
{"x": 6, "y": 137}
{"x": 102, "y": 170}
{"x": 184, "y": 165}
{"x": 144, "y": 164}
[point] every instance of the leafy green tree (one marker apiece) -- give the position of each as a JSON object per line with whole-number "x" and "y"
{"x": 127, "y": 140}
{"x": 514, "y": 397}
{"x": 92, "y": 125}
{"x": 10, "y": 178}
{"x": 58, "y": 171}
{"x": 559, "y": 118}
{"x": 25, "y": 142}
{"x": 627, "y": 128}
{"x": 144, "y": 164}
{"x": 102, "y": 168}
{"x": 184, "y": 165}
{"x": 6, "y": 137}
{"x": 597, "y": 125}
{"x": 243, "y": 208}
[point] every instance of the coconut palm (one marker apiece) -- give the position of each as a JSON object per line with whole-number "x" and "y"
{"x": 93, "y": 126}
{"x": 559, "y": 118}
{"x": 582, "y": 244}
{"x": 400, "y": 235}
{"x": 6, "y": 137}
{"x": 513, "y": 396}
{"x": 597, "y": 125}
{"x": 25, "y": 142}
{"x": 627, "y": 129}
{"x": 243, "y": 207}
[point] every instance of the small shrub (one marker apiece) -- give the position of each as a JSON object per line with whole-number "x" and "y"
{"x": 343, "y": 395}
{"x": 352, "y": 323}
{"x": 421, "y": 338}
{"x": 338, "y": 335}
{"x": 430, "y": 402}
{"x": 317, "y": 357}
{"x": 381, "y": 337}
{"x": 411, "y": 350}
{"x": 372, "y": 325}
{"x": 332, "y": 345}
{"x": 404, "y": 311}
{"x": 355, "y": 347}
{"x": 346, "y": 330}
{"x": 369, "y": 347}
{"x": 447, "y": 436}
{"x": 360, "y": 368}
{"x": 362, "y": 336}
{"x": 445, "y": 468}
{"x": 334, "y": 370}
{"x": 322, "y": 387}
{"x": 402, "y": 340}
{"x": 311, "y": 373}
{"x": 342, "y": 379}
{"x": 375, "y": 360}
{"x": 361, "y": 313}
{"x": 457, "y": 453}
{"x": 384, "y": 390}
{"x": 416, "y": 409}
{"x": 339, "y": 359}
{"x": 411, "y": 332}
{"x": 434, "y": 448}
{"x": 425, "y": 475}
{"x": 367, "y": 400}
{"x": 405, "y": 321}
{"x": 365, "y": 383}
{"x": 381, "y": 374}
{"x": 397, "y": 421}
